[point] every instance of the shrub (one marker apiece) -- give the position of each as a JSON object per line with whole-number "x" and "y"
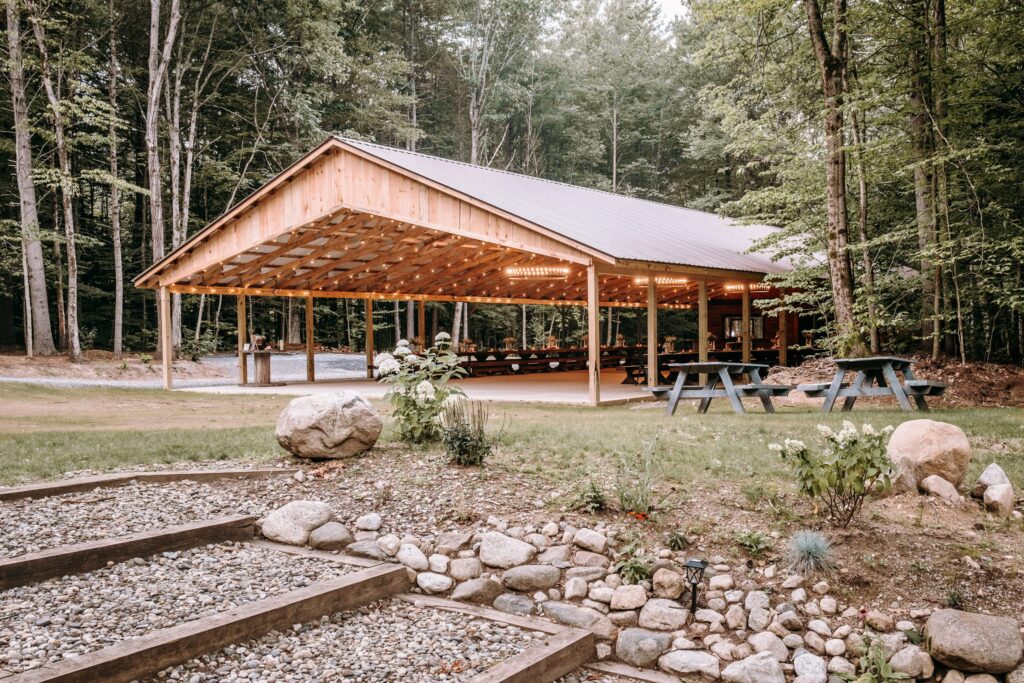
{"x": 810, "y": 552}
{"x": 194, "y": 349}
{"x": 463, "y": 431}
{"x": 754, "y": 542}
{"x": 852, "y": 464}
{"x": 418, "y": 386}
{"x": 590, "y": 499}
{"x": 635, "y": 483}
{"x": 633, "y": 569}
{"x": 874, "y": 667}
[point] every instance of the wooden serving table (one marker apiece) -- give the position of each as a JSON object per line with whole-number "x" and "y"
{"x": 261, "y": 368}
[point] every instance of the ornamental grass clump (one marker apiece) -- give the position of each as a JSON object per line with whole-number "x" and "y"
{"x": 852, "y": 464}
{"x": 418, "y": 386}
{"x": 464, "y": 430}
{"x": 810, "y": 552}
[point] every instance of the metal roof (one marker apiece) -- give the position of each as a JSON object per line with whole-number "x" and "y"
{"x": 620, "y": 226}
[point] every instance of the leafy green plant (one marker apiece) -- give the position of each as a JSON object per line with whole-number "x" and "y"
{"x": 677, "y": 541}
{"x": 810, "y": 552}
{"x": 194, "y": 349}
{"x": 635, "y": 483}
{"x": 146, "y": 359}
{"x": 874, "y": 668}
{"x": 852, "y": 464}
{"x": 590, "y": 499}
{"x": 754, "y": 542}
{"x": 463, "y": 431}
{"x": 418, "y": 386}
{"x": 955, "y": 599}
{"x": 633, "y": 569}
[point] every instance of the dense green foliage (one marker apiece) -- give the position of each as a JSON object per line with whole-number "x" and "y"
{"x": 719, "y": 110}
{"x": 418, "y": 386}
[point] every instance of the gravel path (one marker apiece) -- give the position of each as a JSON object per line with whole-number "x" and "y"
{"x": 75, "y": 614}
{"x": 390, "y": 482}
{"x": 385, "y": 642}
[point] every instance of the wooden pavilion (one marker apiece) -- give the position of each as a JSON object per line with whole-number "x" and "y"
{"x": 363, "y": 221}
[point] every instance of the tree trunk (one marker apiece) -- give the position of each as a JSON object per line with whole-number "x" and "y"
{"x": 67, "y": 181}
{"x": 832, "y": 66}
{"x": 37, "y": 301}
{"x": 115, "y": 196}
{"x": 58, "y": 261}
{"x": 294, "y": 328}
{"x": 457, "y": 326}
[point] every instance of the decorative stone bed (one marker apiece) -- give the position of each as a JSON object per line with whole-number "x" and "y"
{"x": 391, "y": 640}
{"x": 81, "y": 613}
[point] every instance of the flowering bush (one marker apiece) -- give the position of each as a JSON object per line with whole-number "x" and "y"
{"x": 852, "y": 464}
{"x": 418, "y": 385}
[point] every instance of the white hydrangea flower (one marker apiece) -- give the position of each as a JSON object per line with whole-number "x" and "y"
{"x": 388, "y": 366}
{"x": 442, "y": 337}
{"x": 402, "y": 351}
{"x": 403, "y": 342}
{"x": 826, "y": 431}
{"x": 382, "y": 358}
{"x": 775, "y": 447}
{"x": 412, "y": 358}
{"x": 868, "y": 429}
{"x": 795, "y": 445}
{"x": 425, "y": 391}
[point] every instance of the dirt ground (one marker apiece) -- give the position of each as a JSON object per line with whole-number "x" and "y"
{"x": 100, "y": 365}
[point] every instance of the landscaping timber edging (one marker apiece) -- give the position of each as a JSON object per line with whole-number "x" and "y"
{"x": 84, "y": 557}
{"x": 326, "y": 555}
{"x": 57, "y": 488}
{"x": 138, "y": 657}
{"x": 560, "y": 654}
{"x": 627, "y": 671}
{"x": 523, "y": 622}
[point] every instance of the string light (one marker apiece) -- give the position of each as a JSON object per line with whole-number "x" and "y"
{"x": 661, "y": 280}
{"x": 537, "y": 273}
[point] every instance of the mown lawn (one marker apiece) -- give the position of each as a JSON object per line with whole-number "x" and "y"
{"x": 45, "y": 432}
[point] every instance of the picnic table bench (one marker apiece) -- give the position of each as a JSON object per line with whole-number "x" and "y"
{"x": 875, "y": 376}
{"x": 720, "y": 374}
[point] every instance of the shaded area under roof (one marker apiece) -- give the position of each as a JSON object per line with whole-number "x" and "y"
{"x": 620, "y": 226}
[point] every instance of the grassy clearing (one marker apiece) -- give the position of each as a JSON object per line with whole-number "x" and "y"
{"x": 46, "y": 431}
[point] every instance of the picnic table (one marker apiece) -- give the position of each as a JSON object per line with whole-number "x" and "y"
{"x": 876, "y": 376}
{"x": 723, "y": 374}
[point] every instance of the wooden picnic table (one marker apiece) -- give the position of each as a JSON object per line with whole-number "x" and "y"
{"x": 720, "y": 374}
{"x": 875, "y": 376}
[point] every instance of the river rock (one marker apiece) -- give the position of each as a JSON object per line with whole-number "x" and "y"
{"x": 992, "y": 475}
{"x": 479, "y": 591}
{"x": 663, "y": 615}
{"x": 503, "y": 552}
{"x": 330, "y": 536}
{"x": 668, "y": 584}
{"x": 531, "y": 577}
{"x": 513, "y": 603}
{"x": 335, "y": 425}
{"x": 581, "y": 617}
{"x": 434, "y": 583}
{"x": 641, "y": 647}
{"x": 999, "y": 499}
{"x": 681, "y": 662}
{"x": 760, "y": 668}
{"x": 628, "y": 597}
{"x": 293, "y": 522}
{"x": 766, "y": 641}
{"x": 921, "y": 448}
{"x": 974, "y": 642}
{"x": 591, "y": 540}
{"x": 935, "y": 485}
{"x": 912, "y": 661}
{"x": 412, "y": 557}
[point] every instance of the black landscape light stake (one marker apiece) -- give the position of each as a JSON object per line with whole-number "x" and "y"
{"x": 694, "y": 574}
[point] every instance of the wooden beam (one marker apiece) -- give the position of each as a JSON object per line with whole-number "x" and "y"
{"x": 594, "y": 334}
{"x": 544, "y": 663}
{"x": 783, "y": 338}
{"x": 310, "y": 337}
{"x": 243, "y": 366}
{"x": 85, "y": 557}
{"x": 79, "y": 484}
{"x": 745, "y": 340}
{"x": 421, "y": 324}
{"x": 138, "y": 657}
{"x": 166, "y": 347}
{"x": 369, "y": 338}
{"x": 702, "y": 325}
{"x": 652, "y": 332}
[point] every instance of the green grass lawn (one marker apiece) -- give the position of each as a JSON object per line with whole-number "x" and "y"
{"x": 47, "y": 431}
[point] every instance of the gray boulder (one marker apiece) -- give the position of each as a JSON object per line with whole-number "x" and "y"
{"x": 337, "y": 425}
{"x": 663, "y": 615}
{"x": 921, "y": 448}
{"x": 991, "y": 476}
{"x": 641, "y": 647}
{"x": 330, "y": 536}
{"x": 581, "y": 617}
{"x": 760, "y": 668}
{"x": 531, "y": 577}
{"x": 479, "y": 591}
{"x": 974, "y": 642}
{"x": 504, "y": 552}
{"x": 513, "y": 603}
{"x": 293, "y": 522}
{"x": 682, "y": 662}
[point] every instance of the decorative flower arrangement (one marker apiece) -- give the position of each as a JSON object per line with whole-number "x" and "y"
{"x": 418, "y": 385}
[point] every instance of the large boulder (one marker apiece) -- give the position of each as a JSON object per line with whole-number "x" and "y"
{"x": 641, "y": 647}
{"x": 337, "y": 425}
{"x": 974, "y": 642}
{"x": 293, "y": 522}
{"x": 921, "y": 448}
{"x": 682, "y": 662}
{"x": 504, "y": 552}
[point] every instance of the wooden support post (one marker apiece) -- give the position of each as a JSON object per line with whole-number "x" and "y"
{"x": 243, "y": 366}
{"x": 165, "y": 338}
{"x": 310, "y": 358}
{"x": 421, "y": 325}
{"x": 652, "y": 332}
{"x": 369, "y": 338}
{"x": 745, "y": 340}
{"x": 783, "y": 339}
{"x": 594, "y": 334}
{"x": 702, "y": 325}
